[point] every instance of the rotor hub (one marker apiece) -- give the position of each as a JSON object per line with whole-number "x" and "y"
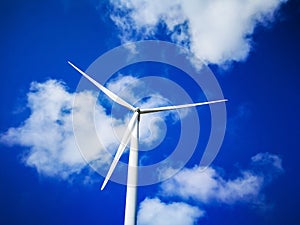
{"x": 138, "y": 110}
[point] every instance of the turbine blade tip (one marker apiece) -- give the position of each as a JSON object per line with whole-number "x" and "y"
{"x": 104, "y": 184}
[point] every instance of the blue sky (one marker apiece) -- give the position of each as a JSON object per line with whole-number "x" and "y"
{"x": 253, "y": 179}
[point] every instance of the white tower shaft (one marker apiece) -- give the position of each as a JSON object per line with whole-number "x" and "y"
{"x": 132, "y": 178}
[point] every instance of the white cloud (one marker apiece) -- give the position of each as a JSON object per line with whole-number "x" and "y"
{"x": 267, "y": 159}
{"x": 156, "y": 212}
{"x": 207, "y": 185}
{"x": 48, "y": 131}
{"x": 216, "y": 31}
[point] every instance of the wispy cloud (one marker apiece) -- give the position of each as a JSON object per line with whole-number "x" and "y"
{"x": 207, "y": 185}
{"x": 216, "y": 31}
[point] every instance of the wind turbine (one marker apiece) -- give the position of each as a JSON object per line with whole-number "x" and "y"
{"x": 132, "y": 134}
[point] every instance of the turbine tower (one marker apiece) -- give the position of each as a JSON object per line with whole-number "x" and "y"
{"x": 132, "y": 134}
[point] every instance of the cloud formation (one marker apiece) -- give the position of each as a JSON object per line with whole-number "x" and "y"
{"x": 207, "y": 186}
{"x": 154, "y": 211}
{"x": 216, "y": 31}
{"x": 48, "y": 131}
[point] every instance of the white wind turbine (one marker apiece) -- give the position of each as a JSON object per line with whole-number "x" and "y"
{"x": 132, "y": 133}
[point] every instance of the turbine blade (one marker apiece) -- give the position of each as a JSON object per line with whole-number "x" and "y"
{"x": 124, "y": 142}
{"x": 110, "y": 94}
{"x": 166, "y": 108}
